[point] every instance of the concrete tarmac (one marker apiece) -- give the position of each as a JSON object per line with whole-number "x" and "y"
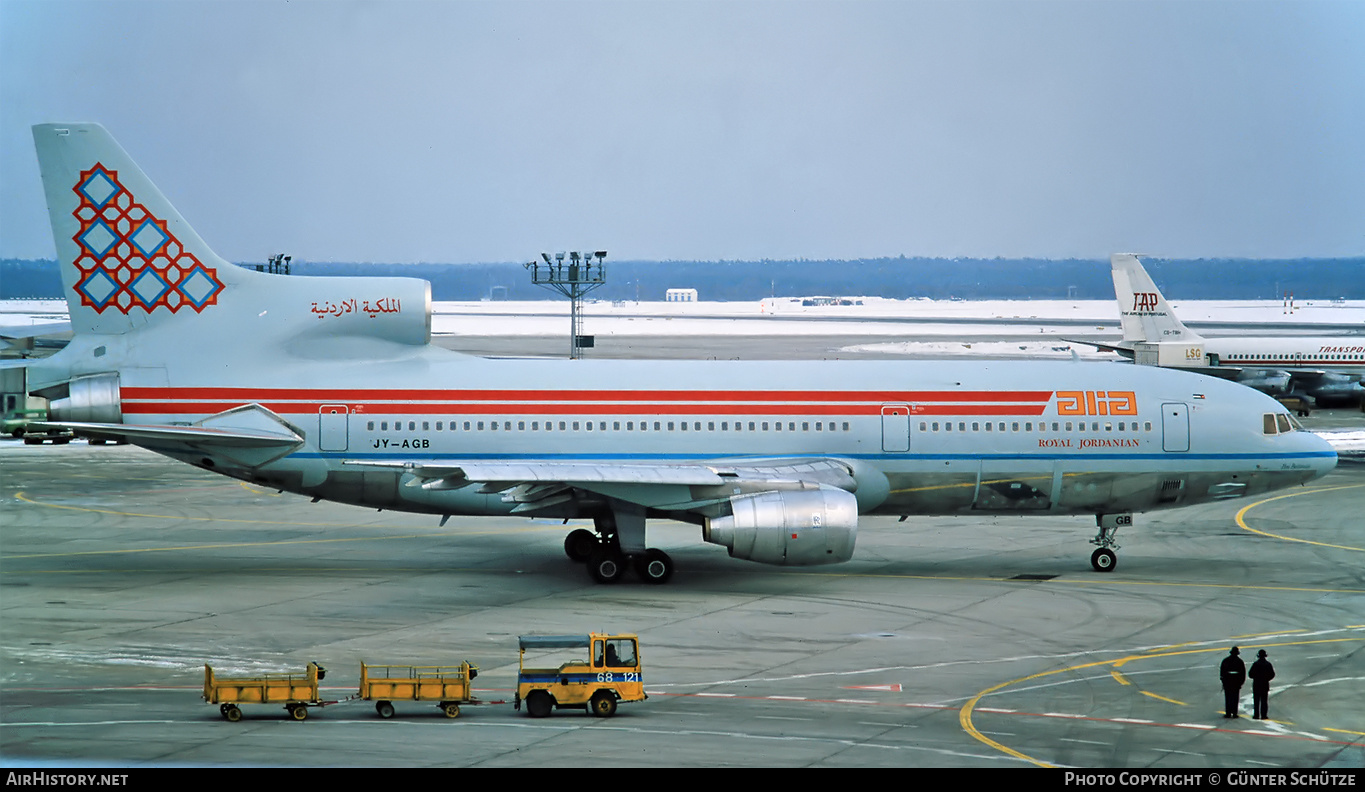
{"x": 946, "y": 642}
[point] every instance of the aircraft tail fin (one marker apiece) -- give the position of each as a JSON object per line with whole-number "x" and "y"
{"x": 127, "y": 257}
{"x": 130, "y": 262}
{"x": 1143, "y": 311}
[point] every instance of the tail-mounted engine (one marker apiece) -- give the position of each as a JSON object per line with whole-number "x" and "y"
{"x": 90, "y": 399}
{"x": 789, "y": 528}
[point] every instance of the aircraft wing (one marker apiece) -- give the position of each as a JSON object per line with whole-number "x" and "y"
{"x": 34, "y": 331}
{"x": 1119, "y": 347}
{"x": 541, "y": 484}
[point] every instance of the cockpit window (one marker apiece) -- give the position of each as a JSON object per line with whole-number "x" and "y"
{"x": 1279, "y": 423}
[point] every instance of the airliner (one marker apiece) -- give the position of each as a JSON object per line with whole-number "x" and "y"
{"x": 1328, "y": 368}
{"x": 329, "y": 387}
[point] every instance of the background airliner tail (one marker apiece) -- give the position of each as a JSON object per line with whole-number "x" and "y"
{"x": 1145, "y": 315}
{"x": 129, "y": 262}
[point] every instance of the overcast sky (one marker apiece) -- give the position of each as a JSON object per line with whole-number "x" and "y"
{"x": 490, "y": 131}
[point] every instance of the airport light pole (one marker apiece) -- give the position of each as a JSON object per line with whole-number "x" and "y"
{"x": 581, "y": 275}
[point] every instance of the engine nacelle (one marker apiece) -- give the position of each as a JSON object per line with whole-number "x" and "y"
{"x": 92, "y": 399}
{"x": 788, "y": 528}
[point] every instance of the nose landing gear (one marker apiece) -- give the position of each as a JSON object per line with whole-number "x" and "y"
{"x": 1105, "y": 559}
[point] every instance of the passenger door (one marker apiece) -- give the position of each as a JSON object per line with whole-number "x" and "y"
{"x": 1175, "y": 427}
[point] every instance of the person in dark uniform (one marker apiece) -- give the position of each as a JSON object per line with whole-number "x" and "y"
{"x": 1261, "y": 674}
{"x": 1233, "y": 672}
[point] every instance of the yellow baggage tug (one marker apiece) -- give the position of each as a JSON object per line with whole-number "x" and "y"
{"x": 613, "y": 675}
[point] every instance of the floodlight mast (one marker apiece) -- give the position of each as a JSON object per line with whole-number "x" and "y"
{"x": 580, "y": 276}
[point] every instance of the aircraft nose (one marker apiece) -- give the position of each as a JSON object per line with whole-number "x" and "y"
{"x": 1323, "y": 456}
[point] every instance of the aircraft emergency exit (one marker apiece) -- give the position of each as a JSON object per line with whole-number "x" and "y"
{"x": 329, "y": 387}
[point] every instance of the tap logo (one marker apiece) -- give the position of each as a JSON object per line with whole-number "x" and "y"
{"x": 1144, "y": 301}
{"x": 129, "y": 259}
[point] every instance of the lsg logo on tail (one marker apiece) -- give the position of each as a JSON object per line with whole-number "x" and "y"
{"x": 128, "y": 259}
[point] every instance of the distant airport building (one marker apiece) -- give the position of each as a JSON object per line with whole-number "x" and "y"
{"x": 680, "y": 295}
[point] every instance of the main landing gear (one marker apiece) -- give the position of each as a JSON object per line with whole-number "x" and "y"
{"x": 618, "y": 544}
{"x": 1105, "y": 559}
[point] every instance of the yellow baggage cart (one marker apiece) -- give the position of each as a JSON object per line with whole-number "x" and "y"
{"x": 297, "y": 692}
{"x": 448, "y": 686}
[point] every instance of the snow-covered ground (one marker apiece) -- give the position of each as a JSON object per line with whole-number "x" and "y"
{"x": 785, "y": 316}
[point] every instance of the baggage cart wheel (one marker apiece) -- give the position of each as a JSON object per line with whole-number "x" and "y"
{"x": 451, "y": 709}
{"x": 231, "y": 712}
{"x": 603, "y": 704}
{"x": 384, "y": 708}
{"x": 298, "y": 712}
{"x": 539, "y": 704}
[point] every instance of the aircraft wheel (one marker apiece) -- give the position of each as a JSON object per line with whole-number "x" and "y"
{"x": 384, "y": 708}
{"x": 606, "y": 565}
{"x": 603, "y": 704}
{"x": 580, "y": 544}
{"x": 654, "y": 566}
{"x": 539, "y": 704}
{"x": 1103, "y": 560}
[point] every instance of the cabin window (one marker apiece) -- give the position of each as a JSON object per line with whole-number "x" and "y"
{"x": 370, "y": 425}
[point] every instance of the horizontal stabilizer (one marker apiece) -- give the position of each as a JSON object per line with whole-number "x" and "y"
{"x": 250, "y": 435}
{"x": 156, "y": 433}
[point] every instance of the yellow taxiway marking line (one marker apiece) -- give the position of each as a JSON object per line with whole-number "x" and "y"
{"x": 1242, "y": 522}
{"x": 1163, "y": 698}
{"x": 964, "y": 716}
{"x": 1122, "y": 680}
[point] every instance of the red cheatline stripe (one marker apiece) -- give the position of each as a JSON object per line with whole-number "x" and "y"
{"x": 460, "y": 408}
{"x": 240, "y": 395}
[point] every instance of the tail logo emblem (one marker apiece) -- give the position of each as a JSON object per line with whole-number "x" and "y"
{"x": 128, "y": 259}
